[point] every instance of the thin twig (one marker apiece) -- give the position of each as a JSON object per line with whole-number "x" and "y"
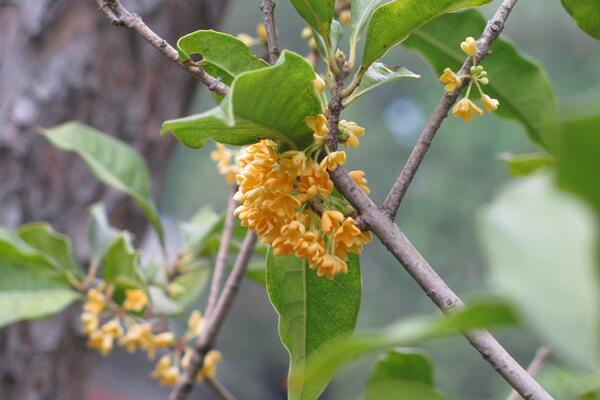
{"x": 221, "y": 260}
{"x": 218, "y": 388}
{"x": 534, "y": 367}
{"x": 398, "y": 190}
{"x": 120, "y": 16}
{"x": 268, "y": 9}
{"x": 215, "y": 321}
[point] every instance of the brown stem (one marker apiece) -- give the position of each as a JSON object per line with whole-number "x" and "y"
{"x": 268, "y": 8}
{"x": 398, "y": 190}
{"x": 534, "y": 367}
{"x": 218, "y": 388}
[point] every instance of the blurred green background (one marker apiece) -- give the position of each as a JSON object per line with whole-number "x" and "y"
{"x": 461, "y": 173}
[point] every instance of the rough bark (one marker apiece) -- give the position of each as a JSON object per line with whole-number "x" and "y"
{"x": 61, "y": 60}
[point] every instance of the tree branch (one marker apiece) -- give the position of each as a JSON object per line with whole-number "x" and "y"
{"x": 268, "y": 7}
{"x": 120, "y": 16}
{"x": 398, "y": 190}
{"x": 221, "y": 259}
{"x": 215, "y": 320}
{"x": 534, "y": 367}
{"x": 218, "y": 388}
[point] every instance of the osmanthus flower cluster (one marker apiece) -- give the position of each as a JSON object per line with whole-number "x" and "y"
{"x": 477, "y": 76}
{"x": 105, "y": 322}
{"x": 279, "y": 192}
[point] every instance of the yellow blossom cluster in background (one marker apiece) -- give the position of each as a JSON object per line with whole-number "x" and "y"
{"x": 106, "y": 323}
{"x": 477, "y": 76}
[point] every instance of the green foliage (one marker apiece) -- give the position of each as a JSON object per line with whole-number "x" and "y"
{"x": 25, "y": 293}
{"x": 526, "y": 164}
{"x": 402, "y": 374}
{"x": 485, "y": 314}
{"x": 187, "y": 287}
{"x": 520, "y": 84}
{"x": 267, "y": 103}
{"x": 393, "y": 22}
{"x": 586, "y": 13}
{"x": 541, "y": 245}
{"x": 15, "y": 250}
{"x": 100, "y": 234}
{"x": 361, "y": 14}
{"x": 113, "y": 162}
{"x": 377, "y": 75}
{"x": 203, "y": 226}
{"x": 317, "y": 13}
{"x": 312, "y": 311}
{"x": 121, "y": 265}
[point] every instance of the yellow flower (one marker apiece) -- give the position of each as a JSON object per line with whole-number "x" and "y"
{"x": 318, "y": 124}
{"x": 310, "y": 247}
{"x": 465, "y": 108}
{"x": 194, "y": 323}
{"x": 261, "y": 32}
{"x": 95, "y": 302}
{"x": 347, "y": 232}
{"x": 333, "y": 160}
{"x": 112, "y": 328}
{"x": 135, "y": 300}
{"x": 331, "y": 221}
{"x": 319, "y": 84}
{"x": 489, "y": 104}
{"x": 314, "y": 181}
{"x": 359, "y": 178}
{"x": 469, "y": 46}
{"x": 450, "y": 79}
{"x": 223, "y": 157}
{"x": 246, "y": 39}
{"x": 345, "y": 17}
{"x": 354, "y": 132}
{"x": 165, "y": 339}
{"x": 90, "y": 322}
{"x": 167, "y": 374}
{"x": 138, "y": 335}
{"x": 331, "y": 265}
{"x": 209, "y": 367}
{"x": 101, "y": 341}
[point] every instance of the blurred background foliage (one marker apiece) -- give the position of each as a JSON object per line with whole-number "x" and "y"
{"x": 461, "y": 173}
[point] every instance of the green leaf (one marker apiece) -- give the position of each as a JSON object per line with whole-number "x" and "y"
{"x": 27, "y": 294}
{"x": 163, "y": 304}
{"x": 377, "y": 75}
{"x": 586, "y": 13}
{"x": 525, "y": 164}
{"x": 112, "y": 161}
{"x": 540, "y": 244}
{"x": 52, "y": 244}
{"x": 579, "y": 159}
{"x": 229, "y": 54}
{"x": 392, "y": 22}
{"x": 269, "y": 103}
{"x": 186, "y": 288}
{"x": 199, "y": 229}
{"x": 121, "y": 265}
{"x": 317, "y": 13}
{"x": 402, "y": 374}
{"x": 312, "y": 311}
{"x": 519, "y": 84}
{"x": 99, "y": 232}
{"x": 361, "y": 14}
{"x": 15, "y": 250}
{"x": 484, "y": 314}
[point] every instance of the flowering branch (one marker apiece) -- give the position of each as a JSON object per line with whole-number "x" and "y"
{"x": 120, "y": 16}
{"x": 215, "y": 320}
{"x": 268, "y": 7}
{"x": 398, "y": 190}
{"x": 221, "y": 260}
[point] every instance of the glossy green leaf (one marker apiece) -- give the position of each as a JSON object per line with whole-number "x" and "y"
{"x": 579, "y": 159}
{"x": 267, "y": 103}
{"x": 586, "y": 13}
{"x": 112, "y": 161}
{"x": 226, "y": 52}
{"x": 540, "y": 244}
{"x": 121, "y": 264}
{"x": 312, "y": 311}
{"x": 99, "y": 232}
{"x": 15, "y": 250}
{"x": 162, "y": 304}
{"x": 317, "y": 13}
{"x": 392, "y": 22}
{"x": 485, "y": 314}
{"x": 27, "y": 294}
{"x": 402, "y": 374}
{"x": 377, "y": 75}
{"x": 361, "y": 14}
{"x": 54, "y": 245}
{"x": 525, "y": 164}
{"x": 187, "y": 287}
{"x": 198, "y": 230}
{"x": 519, "y": 84}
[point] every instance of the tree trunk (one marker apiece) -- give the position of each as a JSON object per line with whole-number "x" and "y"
{"x": 62, "y": 60}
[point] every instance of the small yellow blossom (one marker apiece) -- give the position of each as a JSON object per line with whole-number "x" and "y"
{"x": 90, "y": 322}
{"x": 319, "y": 84}
{"x": 95, "y": 302}
{"x": 112, "y": 328}
{"x": 359, "y": 178}
{"x": 194, "y": 323}
{"x": 331, "y": 266}
{"x": 347, "y": 232}
{"x": 138, "y": 335}
{"x": 165, "y": 339}
{"x": 318, "y": 124}
{"x": 261, "y": 32}
{"x": 135, "y": 300}
{"x": 450, "y": 79}
{"x": 465, "y": 108}
{"x": 345, "y": 17}
{"x": 331, "y": 221}
{"x": 489, "y": 104}
{"x": 354, "y": 132}
{"x": 101, "y": 341}
{"x": 469, "y": 47}
{"x": 246, "y": 39}
{"x": 209, "y": 367}
{"x": 332, "y": 160}
{"x": 167, "y": 374}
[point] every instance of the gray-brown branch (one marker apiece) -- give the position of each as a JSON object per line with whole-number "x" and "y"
{"x": 398, "y": 190}
{"x": 120, "y": 16}
{"x": 534, "y": 367}
{"x": 268, "y": 9}
{"x": 216, "y": 319}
